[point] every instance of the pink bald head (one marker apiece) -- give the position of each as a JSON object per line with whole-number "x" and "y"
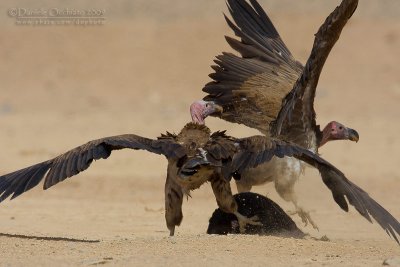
{"x": 200, "y": 109}
{"x": 337, "y": 131}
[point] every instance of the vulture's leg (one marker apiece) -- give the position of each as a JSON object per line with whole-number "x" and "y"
{"x": 284, "y": 185}
{"x": 173, "y": 204}
{"x": 226, "y": 202}
{"x": 304, "y": 215}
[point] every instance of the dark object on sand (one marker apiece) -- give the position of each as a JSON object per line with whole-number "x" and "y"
{"x": 274, "y": 220}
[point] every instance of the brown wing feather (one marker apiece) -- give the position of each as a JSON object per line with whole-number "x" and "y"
{"x": 250, "y": 152}
{"x": 297, "y": 114}
{"x": 256, "y": 150}
{"x": 251, "y": 88}
{"x": 79, "y": 159}
{"x": 221, "y": 146}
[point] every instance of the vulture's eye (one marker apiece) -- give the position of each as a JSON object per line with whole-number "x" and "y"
{"x": 207, "y": 105}
{"x": 340, "y": 128}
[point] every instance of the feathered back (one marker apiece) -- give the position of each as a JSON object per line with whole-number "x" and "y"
{"x": 266, "y": 80}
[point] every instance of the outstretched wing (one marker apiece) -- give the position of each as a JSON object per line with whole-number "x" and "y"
{"x": 256, "y": 150}
{"x": 233, "y": 156}
{"x": 251, "y": 88}
{"x": 79, "y": 159}
{"x": 296, "y": 120}
{"x": 341, "y": 187}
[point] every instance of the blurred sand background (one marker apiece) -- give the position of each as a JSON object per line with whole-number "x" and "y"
{"x": 62, "y": 86}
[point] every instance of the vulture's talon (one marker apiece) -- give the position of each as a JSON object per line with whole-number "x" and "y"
{"x": 305, "y": 217}
{"x": 243, "y": 221}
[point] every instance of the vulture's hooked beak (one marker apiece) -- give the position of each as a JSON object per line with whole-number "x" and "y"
{"x": 200, "y": 110}
{"x": 192, "y": 166}
{"x": 213, "y": 109}
{"x": 353, "y": 135}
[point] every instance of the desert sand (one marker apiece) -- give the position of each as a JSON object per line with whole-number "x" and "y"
{"x": 62, "y": 86}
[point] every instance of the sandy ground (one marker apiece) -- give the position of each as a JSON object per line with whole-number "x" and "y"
{"x": 138, "y": 73}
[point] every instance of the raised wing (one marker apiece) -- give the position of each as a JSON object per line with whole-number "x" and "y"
{"x": 233, "y": 156}
{"x": 296, "y": 120}
{"x": 251, "y": 88}
{"x": 79, "y": 159}
{"x": 260, "y": 87}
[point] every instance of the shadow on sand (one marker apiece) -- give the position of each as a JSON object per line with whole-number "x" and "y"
{"x": 49, "y": 238}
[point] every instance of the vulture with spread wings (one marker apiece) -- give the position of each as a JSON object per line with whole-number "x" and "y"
{"x": 267, "y": 89}
{"x": 196, "y": 156}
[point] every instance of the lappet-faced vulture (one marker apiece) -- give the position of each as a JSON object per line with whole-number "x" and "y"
{"x": 267, "y": 89}
{"x": 196, "y": 156}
